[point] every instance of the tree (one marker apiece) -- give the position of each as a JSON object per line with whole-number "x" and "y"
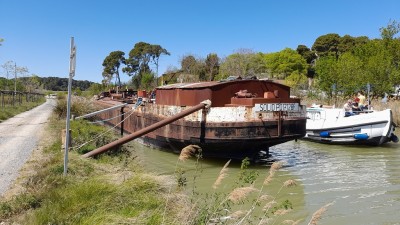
{"x": 147, "y": 81}
{"x": 310, "y": 58}
{"x": 392, "y": 44}
{"x": 388, "y": 32}
{"x": 189, "y": 64}
{"x": 193, "y": 67}
{"x": 12, "y": 70}
{"x": 1, "y": 40}
{"x": 326, "y": 74}
{"x": 350, "y": 76}
{"x": 296, "y": 79}
{"x": 257, "y": 65}
{"x": 306, "y": 53}
{"x": 139, "y": 59}
{"x": 111, "y": 65}
{"x": 8, "y": 68}
{"x": 284, "y": 63}
{"x": 348, "y": 43}
{"x": 378, "y": 65}
{"x": 138, "y": 62}
{"x": 327, "y": 45}
{"x": 212, "y": 65}
{"x": 31, "y": 83}
{"x": 236, "y": 64}
{"x": 157, "y": 51}
{"x": 95, "y": 89}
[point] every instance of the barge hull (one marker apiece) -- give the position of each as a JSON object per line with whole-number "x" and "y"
{"x": 233, "y": 140}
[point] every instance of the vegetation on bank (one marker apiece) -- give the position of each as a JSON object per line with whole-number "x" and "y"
{"x": 110, "y": 189}
{"x": 8, "y": 111}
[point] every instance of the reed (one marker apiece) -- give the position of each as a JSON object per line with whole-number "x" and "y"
{"x": 222, "y": 174}
{"x": 216, "y": 208}
{"x": 394, "y": 105}
{"x": 318, "y": 214}
{"x": 238, "y": 194}
{"x": 189, "y": 151}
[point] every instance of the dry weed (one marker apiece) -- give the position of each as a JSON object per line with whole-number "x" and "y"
{"x": 189, "y": 151}
{"x": 241, "y": 193}
{"x": 289, "y": 183}
{"x": 317, "y": 215}
{"x": 222, "y": 174}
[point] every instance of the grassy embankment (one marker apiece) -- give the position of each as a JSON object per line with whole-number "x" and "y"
{"x": 9, "y": 111}
{"x": 113, "y": 189}
{"x": 106, "y": 190}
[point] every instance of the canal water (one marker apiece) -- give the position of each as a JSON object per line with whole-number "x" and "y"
{"x": 361, "y": 184}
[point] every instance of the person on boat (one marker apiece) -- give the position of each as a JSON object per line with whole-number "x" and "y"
{"x": 355, "y": 107}
{"x": 348, "y": 108}
{"x": 361, "y": 96}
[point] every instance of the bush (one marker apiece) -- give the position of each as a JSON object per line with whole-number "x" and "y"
{"x": 79, "y": 106}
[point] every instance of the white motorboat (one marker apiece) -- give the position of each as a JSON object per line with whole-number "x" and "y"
{"x": 333, "y": 126}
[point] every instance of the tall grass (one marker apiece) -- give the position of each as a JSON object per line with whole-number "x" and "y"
{"x": 249, "y": 200}
{"x": 394, "y": 105}
{"x": 79, "y": 106}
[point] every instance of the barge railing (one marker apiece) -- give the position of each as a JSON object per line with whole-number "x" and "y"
{"x": 100, "y": 111}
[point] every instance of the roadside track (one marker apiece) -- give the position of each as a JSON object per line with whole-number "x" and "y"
{"x": 19, "y": 136}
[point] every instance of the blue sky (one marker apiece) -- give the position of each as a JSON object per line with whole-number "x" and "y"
{"x": 37, "y": 33}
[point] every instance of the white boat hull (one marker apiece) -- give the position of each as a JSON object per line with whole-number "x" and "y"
{"x": 332, "y": 127}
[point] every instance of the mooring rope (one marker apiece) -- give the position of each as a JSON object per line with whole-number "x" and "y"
{"x": 100, "y": 121}
{"x": 101, "y": 134}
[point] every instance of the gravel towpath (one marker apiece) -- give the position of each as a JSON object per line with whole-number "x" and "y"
{"x": 19, "y": 136}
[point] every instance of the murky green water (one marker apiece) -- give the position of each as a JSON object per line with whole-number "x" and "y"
{"x": 363, "y": 183}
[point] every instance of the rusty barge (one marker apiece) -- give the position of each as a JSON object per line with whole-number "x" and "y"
{"x": 245, "y": 117}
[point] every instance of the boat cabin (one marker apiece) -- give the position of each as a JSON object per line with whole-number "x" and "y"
{"x": 225, "y": 93}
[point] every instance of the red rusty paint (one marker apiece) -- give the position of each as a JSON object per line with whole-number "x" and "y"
{"x": 220, "y": 93}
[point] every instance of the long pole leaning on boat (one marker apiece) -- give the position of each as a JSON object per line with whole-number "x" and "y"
{"x": 139, "y": 133}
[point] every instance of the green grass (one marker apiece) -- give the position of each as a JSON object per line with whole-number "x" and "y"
{"x": 110, "y": 189}
{"x": 9, "y": 111}
{"x": 96, "y": 201}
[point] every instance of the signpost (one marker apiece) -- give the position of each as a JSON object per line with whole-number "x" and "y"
{"x": 72, "y": 62}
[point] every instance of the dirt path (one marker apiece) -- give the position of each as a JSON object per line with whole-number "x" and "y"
{"x": 19, "y": 136}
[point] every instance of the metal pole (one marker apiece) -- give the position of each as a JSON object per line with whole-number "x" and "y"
{"x": 148, "y": 129}
{"x": 122, "y": 121}
{"x": 368, "y": 99}
{"x": 15, "y": 82}
{"x": 72, "y": 61}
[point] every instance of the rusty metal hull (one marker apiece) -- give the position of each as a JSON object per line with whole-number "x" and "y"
{"x": 221, "y": 132}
